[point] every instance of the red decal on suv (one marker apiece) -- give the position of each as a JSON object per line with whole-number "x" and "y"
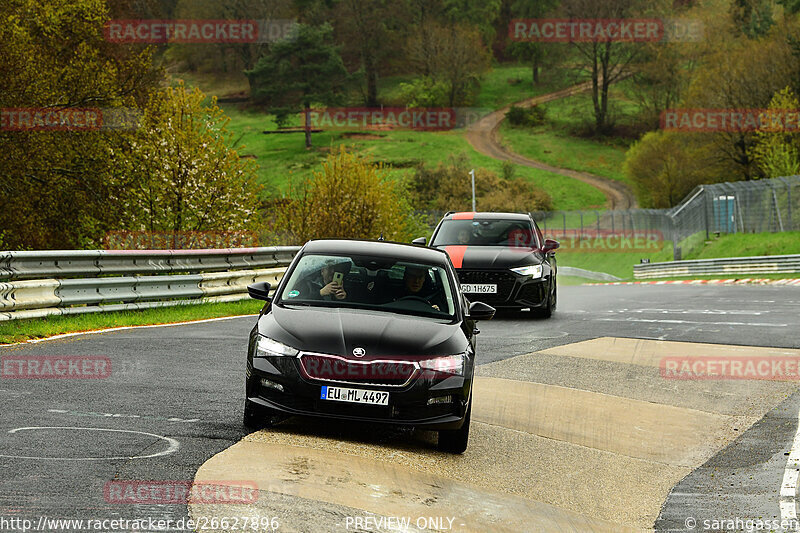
{"x": 456, "y": 254}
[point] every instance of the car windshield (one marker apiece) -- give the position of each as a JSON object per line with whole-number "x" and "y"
{"x": 372, "y": 283}
{"x": 493, "y": 232}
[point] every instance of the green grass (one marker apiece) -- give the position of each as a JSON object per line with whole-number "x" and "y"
{"x": 497, "y": 92}
{"x": 557, "y": 143}
{"x": 565, "y": 151}
{"x": 620, "y": 264}
{"x": 283, "y": 157}
{"x": 36, "y": 328}
{"x": 750, "y": 244}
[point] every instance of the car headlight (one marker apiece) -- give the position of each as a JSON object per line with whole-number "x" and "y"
{"x": 266, "y": 347}
{"x": 448, "y": 364}
{"x": 534, "y": 271}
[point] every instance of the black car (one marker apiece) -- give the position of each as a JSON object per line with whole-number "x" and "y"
{"x": 502, "y": 259}
{"x": 369, "y": 331}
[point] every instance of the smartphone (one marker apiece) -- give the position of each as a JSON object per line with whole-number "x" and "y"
{"x": 338, "y": 277}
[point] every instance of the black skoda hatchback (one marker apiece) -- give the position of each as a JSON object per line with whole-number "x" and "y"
{"x": 369, "y": 331}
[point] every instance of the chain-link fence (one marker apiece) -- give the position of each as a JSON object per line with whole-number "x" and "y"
{"x": 771, "y": 205}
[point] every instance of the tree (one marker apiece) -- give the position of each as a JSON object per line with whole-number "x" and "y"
{"x": 454, "y": 55}
{"x": 349, "y": 198}
{"x": 606, "y": 60}
{"x": 184, "y": 174}
{"x": 662, "y": 77}
{"x": 57, "y": 186}
{"x": 666, "y": 166}
{"x": 753, "y": 18}
{"x": 534, "y": 52}
{"x": 227, "y": 57}
{"x": 776, "y": 150}
{"x": 299, "y": 71}
{"x": 741, "y": 74}
{"x": 478, "y": 13}
{"x": 369, "y": 28}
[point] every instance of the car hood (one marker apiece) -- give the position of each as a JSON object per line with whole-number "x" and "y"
{"x": 480, "y": 257}
{"x": 340, "y": 331}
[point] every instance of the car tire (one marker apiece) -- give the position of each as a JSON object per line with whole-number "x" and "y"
{"x": 257, "y": 417}
{"x": 455, "y": 440}
{"x": 548, "y": 310}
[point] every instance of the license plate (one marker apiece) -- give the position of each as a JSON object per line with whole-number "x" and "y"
{"x": 479, "y": 288}
{"x": 341, "y": 394}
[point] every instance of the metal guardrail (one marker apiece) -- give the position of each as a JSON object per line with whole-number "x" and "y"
{"x": 90, "y": 263}
{"x": 214, "y": 277}
{"x": 588, "y": 274}
{"x": 770, "y": 264}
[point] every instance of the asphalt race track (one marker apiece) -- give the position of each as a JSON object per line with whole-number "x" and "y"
{"x": 575, "y": 428}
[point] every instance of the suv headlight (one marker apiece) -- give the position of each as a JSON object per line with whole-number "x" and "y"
{"x": 534, "y": 271}
{"x": 448, "y": 364}
{"x": 266, "y": 347}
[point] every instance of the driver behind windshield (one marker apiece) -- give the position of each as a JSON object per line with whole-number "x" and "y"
{"x": 417, "y": 284}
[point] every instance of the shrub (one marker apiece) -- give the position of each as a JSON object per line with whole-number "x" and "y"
{"x": 448, "y": 187}
{"x": 350, "y": 197}
{"x": 526, "y": 116}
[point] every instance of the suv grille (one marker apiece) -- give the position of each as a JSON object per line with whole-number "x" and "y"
{"x": 504, "y": 280}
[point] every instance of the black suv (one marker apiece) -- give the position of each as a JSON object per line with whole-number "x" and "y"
{"x": 502, "y": 259}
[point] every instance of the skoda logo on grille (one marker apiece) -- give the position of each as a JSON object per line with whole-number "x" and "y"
{"x": 359, "y": 352}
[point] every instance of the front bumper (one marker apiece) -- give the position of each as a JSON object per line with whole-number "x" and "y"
{"x": 408, "y": 405}
{"x": 513, "y": 291}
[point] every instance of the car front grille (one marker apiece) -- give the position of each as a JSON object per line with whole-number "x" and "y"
{"x": 504, "y": 280}
{"x": 338, "y": 369}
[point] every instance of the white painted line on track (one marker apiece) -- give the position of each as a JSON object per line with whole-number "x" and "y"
{"x": 121, "y": 415}
{"x": 662, "y": 321}
{"x": 121, "y": 328}
{"x": 788, "y": 492}
{"x": 173, "y": 445}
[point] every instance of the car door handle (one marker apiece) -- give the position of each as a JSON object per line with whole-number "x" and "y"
{"x": 475, "y": 331}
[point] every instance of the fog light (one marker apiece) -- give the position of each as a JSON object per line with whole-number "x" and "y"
{"x": 271, "y": 385}
{"x": 440, "y": 400}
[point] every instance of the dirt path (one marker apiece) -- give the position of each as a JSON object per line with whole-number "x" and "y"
{"x": 484, "y": 137}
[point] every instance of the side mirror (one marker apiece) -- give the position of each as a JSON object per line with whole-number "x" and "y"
{"x": 259, "y": 291}
{"x": 481, "y": 311}
{"x": 550, "y": 245}
{"x": 419, "y": 241}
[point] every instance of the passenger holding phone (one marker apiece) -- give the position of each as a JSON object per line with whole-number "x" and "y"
{"x": 326, "y": 284}
{"x": 332, "y": 283}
